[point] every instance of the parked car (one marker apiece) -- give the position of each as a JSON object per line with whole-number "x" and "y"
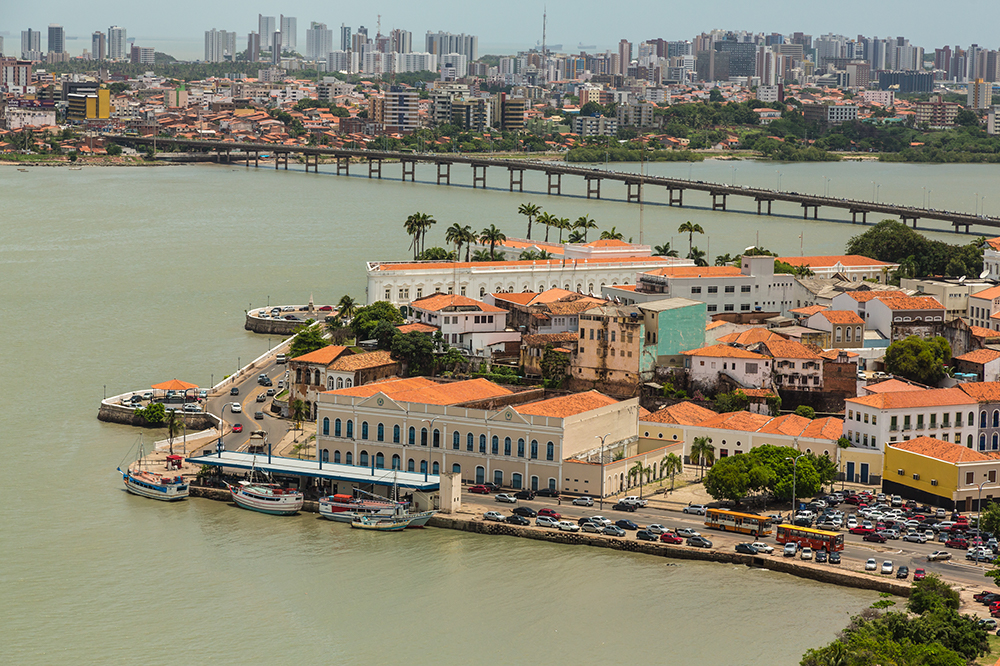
{"x": 633, "y": 499}
{"x": 547, "y": 492}
{"x": 567, "y": 526}
{"x": 591, "y": 526}
{"x": 820, "y": 557}
{"x": 551, "y": 513}
{"x": 886, "y": 567}
{"x": 525, "y": 511}
{"x": 494, "y": 515}
{"x": 525, "y": 494}
{"x": 834, "y": 558}
{"x": 626, "y": 524}
{"x": 697, "y": 509}
{"x": 903, "y": 572}
{"x": 806, "y": 554}
{"x": 989, "y": 624}
{"x": 699, "y": 542}
{"x": 269, "y": 392}
{"x": 978, "y": 596}
{"x": 919, "y": 574}
{"x": 583, "y": 501}
{"x": 861, "y": 530}
{"x": 600, "y": 520}
{"x": 546, "y": 521}
{"x": 939, "y": 556}
{"x": 686, "y": 532}
{"x": 506, "y": 497}
{"x": 874, "y": 537}
{"x": 645, "y": 535}
{"x": 479, "y": 490}
{"x": 234, "y": 391}
{"x": 656, "y": 528}
{"x": 746, "y": 549}
{"x": 915, "y": 538}
{"x": 957, "y": 543}
{"x": 871, "y": 564}
{"x": 515, "y": 519}
{"x": 762, "y": 547}
{"x": 667, "y": 537}
{"x": 624, "y": 507}
{"x": 613, "y": 530}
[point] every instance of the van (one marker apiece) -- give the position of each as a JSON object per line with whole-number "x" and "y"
{"x": 281, "y": 359}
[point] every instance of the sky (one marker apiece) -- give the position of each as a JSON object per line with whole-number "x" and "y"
{"x": 506, "y": 27}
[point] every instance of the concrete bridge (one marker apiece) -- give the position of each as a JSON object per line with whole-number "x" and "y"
{"x": 228, "y": 151}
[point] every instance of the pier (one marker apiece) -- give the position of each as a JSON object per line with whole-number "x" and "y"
{"x": 636, "y": 186}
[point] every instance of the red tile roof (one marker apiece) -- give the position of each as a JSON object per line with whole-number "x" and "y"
{"x": 979, "y": 356}
{"x": 790, "y": 349}
{"x": 696, "y": 271}
{"x": 723, "y": 351}
{"x": 911, "y": 399}
{"x": 982, "y": 391}
{"x": 833, "y": 260}
{"x": 870, "y": 295}
{"x": 567, "y": 405}
{"x": 420, "y": 390}
{"x": 893, "y": 386}
{"x": 912, "y": 303}
{"x": 322, "y": 356}
{"x": 841, "y": 317}
{"x": 826, "y": 428}
{"x": 746, "y": 421}
{"x": 791, "y": 425}
{"x": 751, "y": 336}
{"x": 941, "y": 450}
{"x": 438, "y": 302}
{"x": 987, "y": 294}
{"x": 355, "y": 362}
{"x": 683, "y": 413}
{"x": 809, "y": 310}
{"x": 417, "y": 326}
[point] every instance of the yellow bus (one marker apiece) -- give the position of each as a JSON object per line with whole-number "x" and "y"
{"x": 808, "y": 537}
{"x": 734, "y": 521}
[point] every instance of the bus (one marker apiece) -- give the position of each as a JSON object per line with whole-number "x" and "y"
{"x": 808, "y": 537}
{"x": 733, "y": 521}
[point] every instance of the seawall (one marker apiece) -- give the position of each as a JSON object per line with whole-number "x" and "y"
{"x": 193, "y": 421}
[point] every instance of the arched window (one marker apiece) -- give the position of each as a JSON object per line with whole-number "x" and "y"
{"x": 340, "y": 382}
{"x": 364, "y": 430}
{"x": 534, "y": 479}
{"x": 534, "y": 449}
{"x": 470, "y": 442}
{"x": 395, "y": 461}
{"x": 298, "y": 375}
{"x": 329, "y": 383}
{"x": 379, "y": 460}
{"x": 968, "y": 441}
{"x": 996, "y": 418}
{"x": 436, "y": 468}
{"x": 982, "y": 442}
{"x": 395, "y": 434}
{"x": 350, "y": 429}
{"x": 456, "y": 468}
{"x": 412, "y": 436}
{"x": 423, "y": 466}
{"x": 982, "y": 419}
{"x": 409, "y": 465}
{"x": 325, "y": 455}
{"x": 515, "y": 481}
{"x": 336, "y": 428}
{"x": 498, "y": 477}
{"x": 520, "y": 448}
{"x": 349, "y": 458}
{"x": 380, "y": 432}
{"x": 972, "y": 416}
{"x": 506, "y": 446}
{"x": 552, "y": 482}
{"x": 423, "y": 437}
{"x": 348, "y": 383}
{"x": 550, "y": 451}
{"x": 994, "y": 443}
{"x": 436, "y": 439}
{"x": 482, "y": 443}
{"x": 480, "y": 474}
{"x": 363, "y": 459}
{"x": 326, "y": 426}
{"x": 456, "y": 440}
{"x": 336, "y": 457}
{"x": 319, "y": 380}
{"x": 495, "y": 448}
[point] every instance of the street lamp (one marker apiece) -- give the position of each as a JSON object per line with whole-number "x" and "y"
{"x": 779, "y": 181}
{"x": 795, "y": 462}
{"x": 602, "y": 438}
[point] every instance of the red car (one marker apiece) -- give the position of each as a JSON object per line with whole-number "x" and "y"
{"x": 667, "y": 537}
{"x": 919, "y": 574}
{"x": 551, "y": 513}
{"x": 853, "y": 499}
{"x": 873, "y": 536}
{"x": 861, "y": 530}
{"x": 979, "y": 595}
{"x": 957, "y": 543}
{"x": 238, "y": 427}
{"x": 480, "y": 490}
{"x": 325, "y": 308}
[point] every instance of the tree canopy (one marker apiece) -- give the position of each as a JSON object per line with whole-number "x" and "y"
{"x": 893, "y": 241}
{"x": 308, "y": 338}
{"x": 416, "y": 350}
{"x": 767, "y": 469}
{"x": 367, "y": 318}
{"x": 918, "y": 359}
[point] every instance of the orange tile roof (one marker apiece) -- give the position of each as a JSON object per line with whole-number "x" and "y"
{"x": 834, "y": 354}
{"x": 322, "y": 356}
{"x": 751, "y": 336}
{"x": 723, "y": 351}
{"x": 911, "y": 399}
{"x": 912, "y": 303}
{"x": 988, "y": 294}
{"x": 979, "y": 356}
{"x": 791, "y": 425}
{"x": 542, "y": 339}
{"x": 781, "y": 348}
{"x": 438, "y": 302}
{"x": 826, "y": 428}
{"x": 566, "y": 405}
{"x": 425, "y": 265}
{"x": 523, "y": 298}
{"x": 758, "y": 393}
{"x": 417, "y": 326}
{"x": 892, "y": 386}
{"x": 696, "y": 271}
{"x": 683, "y": 413}
{"x": 841, "y": 317}
{"x": 833, "y": 260}
{"x": 715, "y": 324}
{"x": 426, "y": 392}
{"x": 355, "y": 362}
{"x": 994, "y": 242}
{"x": 518, "y": 244}
{"x": 608, "y": 242}
{"x": 809, "y": 310}
{"x": 870, "y": 295}
{"x": 941, "y": 450}
{"x": 746, "y": 421}
{"x": 982, "y": 391}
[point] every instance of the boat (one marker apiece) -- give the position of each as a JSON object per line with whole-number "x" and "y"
{"x": 380, "y": 524}
{"x": 23, "y": 170}
{"x": 75, "y": 168}
{"x": 146, "y": 483}
{"x": 347, "y": 509}
{"x": 268, "y": 498}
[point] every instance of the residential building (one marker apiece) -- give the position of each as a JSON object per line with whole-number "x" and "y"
{"x": 859, "y": 300}
{"x": 988, "y": 396}
{"x": 983, "y": 363}
{"x": 94, "y": 106}
{"x": 992, "y": 124}
{"x": 117, "y": 43}
{"x": 794, "y": 366}
{"x": 666, "y": 426}
{"x": 980, "y": 94}
{"x": 512, "y": 110}
{"x": 595, "y": 126}
{"x": 533, "y": 349}
{"x": 845, "y": 329}
{"x": 464, "y": 322}
{"x": 289, "y": 28}
{"x": 935, "y": 113}
{"x": 475, "y": 115}
{"x": 884, "y": 98}
{"x": 879, "y": 418}
{"x": 840, "y": 374}
{"x": 551, "y": 311}
{"x": 397, "y": 110}
{"x": 635, "y": 115}
{"x": 220, "y": 46}
{"x": 319, "y": 41}
{"x": 830, "y": 114}
{"x": 31, "y": 45}
{"x": 775, "y": 93}
{"x": 142, "y": 55}
{"x": 984, "y": 308}
{"x": 953, "y": 293}
{"x": 711, "y": 368}
{"x": 14, "y": 74}
{"x": 441, "y": 43}
{"x": 940, "y": 473}
{"x": 20, "y": 114}
{"x": 852, "y": 266}
{"x": 898, "y": 317}
{"x": 57, "y": 39}
{"x": 98, "y": 46}
{"x": 335, "y": 367}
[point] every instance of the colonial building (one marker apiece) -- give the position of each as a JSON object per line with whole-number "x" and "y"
{"x": 844, "y": 328}
{"x": 464, "y": 322}
{"x": 854, "y": 267}
{"x": 983, "y": 363}
{"x": 880, "y": 418}
{"x": 333, "y": 367}
{"x": 941, "y": 473}
{"x": 794, "y": 366}
{"x": 551, "y": 311}
{"x": 706, "y": 366}
{"x": 898, "y": 317}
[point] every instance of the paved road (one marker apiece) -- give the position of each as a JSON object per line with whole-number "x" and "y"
{"x": 249, "y": 390}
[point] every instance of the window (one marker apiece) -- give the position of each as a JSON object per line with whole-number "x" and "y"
{"x": 534, "y": 449}
{"x": 456, "y": 468}
{"x": 745, "y": 307}
{"x": 364, "y": 430}
{"x": 972, "y": 417}
{"x": 612, "y": 336}
{"x": 348, "y": 458}
{"x": 326, "y": 426}
{"x": 970, "y": 478}
{"x": 423, "y": 437}
{"x": 350, "y": 429}
{"x": 550, "y": 451}
{"x": 713, "y": 290}
{"x": 379, "y": 461}
{"x": 469, "y": 442}
{"x": 996, "y": 418}
{"x": 713, "y": 308}
{"x": 982, "y": 419}
{"x": 336, "y": 457}
{"x": 958, "y": 420}
{"x": 583, "y": 333}
{"x": 695, "y": 290}
{"x": 363, "y": 459}
{"x": 412, "y": 436}
{"x": 396, "y": 462}
{"x": 482, "y": 443}
{"x": 380, "y": 433}
{"x": 836, "y": 336}
{"x": 495, "y": 446}
{"x": 920, "y": 421}
{"x": 336, "y": 428}
{"x": 410, "y": 465}
{"x": 933, "y": 420}
{"x": 906, "y": 422}
{"x": 498, "y": 477}
{"x": 730, "y": 289}
{"x": 395, "y": 434}
{"x": 751, "y": 368}
{"x": 506, "y": 446}
{"x": 520, "y": 448}
{"x": 436, "y": 468}
{"x": 728, "y": 307}
{"x": 992, "y": 476}
{"x": 944, "y": 420}
{"x": 436, "y": 439}
{"x": 456, "y": 441}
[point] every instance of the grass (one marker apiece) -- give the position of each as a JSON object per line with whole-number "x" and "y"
{"x": 994, "y": 643}
{"x": 14, "y": 157}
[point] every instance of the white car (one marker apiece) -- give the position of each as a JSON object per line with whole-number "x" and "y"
{"x": 506, "y": 497}
{"x": 686, "y": 532}
{"x": 807, "y": 553}
{"x": 697, "y": 509}
{"x": 494, "y": 515}
{"x": 236, "y": 408}
{"x": 545, "y": 521}
{"x": 583, "y": 501}
{"x": 871, "y": 564}
{"x": 939, "y": 556}
{"x": 567, "y": 526}
{"x": 762, "y": 547}
{"x": 886, "y": 567}
{"x": 656, "y": 528}
{"x": 852, "y": 522}
{"x": 601, "y": 520}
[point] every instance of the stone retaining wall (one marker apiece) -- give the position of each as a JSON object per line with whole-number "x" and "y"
{"x": 271, "y": 326}
{"x": 127, "y": 416}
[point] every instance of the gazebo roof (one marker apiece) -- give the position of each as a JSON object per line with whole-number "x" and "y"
{"x": 174, "y": 385}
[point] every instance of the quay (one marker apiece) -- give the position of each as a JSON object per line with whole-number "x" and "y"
{"x": 230, "y": 151}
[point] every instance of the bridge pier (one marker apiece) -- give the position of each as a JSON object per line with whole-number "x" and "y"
{"x": 679, "y": 199}
{"x": 593, "y": 189}
{"x": 854, "y": 216}
{"x": 805, "y": 211}
{"x": 519, "y": 181}
{"x": 446, "y": 174}
{"x": 280, "y": 158}
{"x": 478, "y": 177}
{"x": 716, "y": 204}
{"x": 229, "y": 157}
{"x": 256, "y": 158}
{"x": 904, "y": 218}
{"x": 557, "y": 186}
{"x": 760, "y": 201}
{"x": 961, "y": 224}
{"x": 344, "y": 164}
{"x": 375, "y": 167}
{"x": 312, "y": 161}
{"x": 634, "y": 195}
{"x": 410, "y": 170}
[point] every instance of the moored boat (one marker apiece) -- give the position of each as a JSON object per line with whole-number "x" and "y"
{"x": 146, "y": 483}
{"x": 346, "y": 509}
{"x": 419, "y": 519}
{"x": 268, "y": 498}
{"x": 380, "y": 524}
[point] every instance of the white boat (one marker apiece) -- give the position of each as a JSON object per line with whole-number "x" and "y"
{"x": 380, "y": 524}
{"x": 347, "y": 509}
{"x": 268, "y": 498}
{"x": 146, "y": 483}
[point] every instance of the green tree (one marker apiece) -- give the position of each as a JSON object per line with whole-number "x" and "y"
{"x": 554, "y": 364}
{"x": 989, "y": 518}
{"x": 664, "y": 251}
{"x": 298, "y": 413}
{"x": 308, "y": 338}
{"x": 492, "y": 236}
{"x": 930, "y": 593}
{"x": 367, "y": 318}
{"x": 728, "y": 479}
{"x": 459, "y": 235}
{"x": 698, "y": 256}
{"x": 384, "y": 333}
{"x": 563, "y": 224}
{"x": 967, "y": 118}
{"x": 690, "y": 229}
{"x": 918, "y": 359}
{"x": 347, "y": 307}
{"x": 113, "y": 149}
{"x": 416, "y": 351}
{"x": 414, "y": 228}
{"x": 715, "y": 95}
{"x": 703, "y": 452}
{"x": 737, "y": 401}
{"x": 153, "y": 413}
{"x": 672, "y": 465}
{"x": 452, "y": 359}
{"x": 549, "y": 220}
{"x": 436, "y": 254}
{"x": 584, "y": 223}
{"x": 530, "y": 211}
{"x": 612, "y": 234}
{"x": 806, "y": 411}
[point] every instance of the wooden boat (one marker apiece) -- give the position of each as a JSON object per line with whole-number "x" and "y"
{"x": 267, "y": 498}
{"x": 347, "y": 509}
{"x": 380, "y": 524}
{"x": 153, "y": 485}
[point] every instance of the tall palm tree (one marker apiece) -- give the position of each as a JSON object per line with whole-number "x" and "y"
{"x": 703, "y": 451}
{"x": 425, "y": 225}
{"x": 563, "y": 224}
{"x": 698, "y": 256}
{"x": 664, "y": 251}
{"x": 298, "y": 413}
{"x": 491, "y": 235}
{"x": 586, "y": 224}
{"x": 548, "y": 219}
{"x": 671, "y": 464}
{"x": 531, "y": 211}
{"x": 471, "y": 238}
{"x": 413, "y": 227}
{"x": 457, "y": 235}
{"x": 612, "y": 234}
{"x": 723, "y": 259}
{"x": 577, "y": 237}
{"x": 347, "y": 307}
{"x": 690, "y": 229}
{"x": 534, "y": 255}
{"x": 481, "y": 255}
{"x": 174, "y": 426}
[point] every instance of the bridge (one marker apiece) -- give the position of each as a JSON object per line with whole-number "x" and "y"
{"x": 229, "y": 151}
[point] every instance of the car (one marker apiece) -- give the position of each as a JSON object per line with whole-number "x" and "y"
{"x": 978, "y": 596}
{"x": 871, "y": 564}
{"x": 600, "y": 520}
{"x": 567, "y": 526}
{"x": 325, "y": 308}
{"x": 613, "y": 530}
{"x": 494, "y": 515}
{"x": 957, "y": 543}
{"x": 237, "y": 427}
{"x": 589, "y": 526}
{"x": 886, "y": 567}
{"x": 989, "y": 598}
{"x": 915, "y": 538}
{"x": 626, "y": 524}
{"x": 583, "y": 501}
{"x": 546, "y": 521}
{"x": 634, "y": 500}
{"x": 852, "y": 522}
{"x": 656, "y": 528}
{"x": 820, "y": 556}
{"x": 790, "y": 550}
{"x": 547, "y": 492}
{"x": 235, "y": 407}
{"x": 494, "y": 488}
{"x": 834, "y": 558}
{"x": 624, "y": 507}
{"x": 762, "y": 547}
{"x": 861, "y": 530}
{"x": 806, "y": 554}
{"x": 479, "y": 490}
{"x": 699, "y": 542}
{"x": 874, "y": 537}
{"x": 525, "y": 495}
{"x": 525, "y": 511}
{"x": 148, "y": 395}
{"x": 258, "y": 416}
{"x": 551, "y": 513}
{"x": 191, "y": 407}
{"x": 515, "y": 519}
{"x": 261, "y": 397}
{"x": 939, "y": 556}
{"x": 919, "y": 574}
{"x": 261, "y": 377}
{"x": 903, "y": 572}
{"x": 506, "y": 497}
{"x": 686, "y": 532}
{"x": 671, "y": 538}
{"x": 697, "y": 509}
{"x": 269, "y": 392}
{"x": 645, "y": 535}
{"x": 746, "y": 549}
{"x": 989, "y": 624}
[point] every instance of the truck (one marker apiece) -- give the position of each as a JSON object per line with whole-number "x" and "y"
{"x": 633, "y": 500}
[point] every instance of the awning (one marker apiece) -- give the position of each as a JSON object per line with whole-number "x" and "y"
{"x": 174, "y": 385}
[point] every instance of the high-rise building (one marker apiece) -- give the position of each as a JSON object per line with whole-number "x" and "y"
{"x": 57, "y": 39}
{"x": 276, "y": 48}
{"x": 98, "y": 46}
{"x": 980, "y": 95}
{"x": 142, "y": 55}
{"x": 624, "y": 56}
{"x": 220, "y": 45}
{"x": 319, "y": 41}
{"x": 266, "y": 28}
{"x": 31, "y": 44}
{"x": 345, "y": 37}
{"x": 117, "y": 43}
{"x": 401, "y": 41}
{"x": 440, "y": 43}
{"x": 1, "y": 45}
{"x": 742, "y": 58}
{"x": 253, "y": 47}
{"x": 289, "y": 32}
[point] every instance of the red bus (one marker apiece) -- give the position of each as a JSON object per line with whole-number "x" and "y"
{"x": 808, "y": 537}
{"x": 734, "y": 521}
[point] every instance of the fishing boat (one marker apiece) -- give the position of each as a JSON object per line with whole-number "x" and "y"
{"x": 380, "y": 524}
{"x": 347, "y": 508}
{"x": 268, "y": 498}
{"x": 154, "y": 485}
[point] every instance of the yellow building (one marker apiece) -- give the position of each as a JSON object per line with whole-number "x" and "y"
{"x": 94, "y": 106}
{"x": 940, "y": 473}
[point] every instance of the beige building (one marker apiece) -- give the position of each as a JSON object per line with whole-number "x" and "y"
{"x": 334, "y": 367}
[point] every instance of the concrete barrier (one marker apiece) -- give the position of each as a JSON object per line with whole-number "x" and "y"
{"x": 112, "y": 413}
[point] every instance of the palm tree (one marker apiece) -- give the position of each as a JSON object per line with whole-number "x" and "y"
{"x": 174, "y": 426}
{"x": 481, "y": 255}
{"x": 413, "y": 227}
{"x": 671, "y": 464}
{"x": 492, "y": 236}
{"x": 586, "y": 224}
{"x": 577, "y": 237}
{"x": 534, "y": 255}
{"x": 562, "y": 224}
{"x": 698, "y": 256}
{"x": 690, "y": 229}
{"x": 612, "y": 234}
{"x": 347, "y": 307}
{"x": 458, "y": 236}
{"x": 636, "y": 471}
{"x": 298, "y": 413}
{"x": 549, "y": 220}
{"x": 425, "y": 225}
{"x": 703, "y": 451}
{"x": 723, "y": 259}
{"x": 531, "y": 211}
{"x": 664, "y": 251}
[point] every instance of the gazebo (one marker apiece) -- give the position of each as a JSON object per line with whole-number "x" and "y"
{"x": 175, "y": 385}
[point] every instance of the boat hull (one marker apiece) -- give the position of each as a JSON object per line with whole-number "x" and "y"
{"x": 420, "y": 519}
{"x": 165, "y": 492}
{"x": 285, "y": 506}
{"x": 380, "y": 525}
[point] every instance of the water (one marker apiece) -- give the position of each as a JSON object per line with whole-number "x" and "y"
{"x": 123, "y": 278}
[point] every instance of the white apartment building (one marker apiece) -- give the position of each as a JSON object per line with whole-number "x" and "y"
{"x": 991, "y": 251}
{"x": 858, "y": 301}
{"x": 705, "y": 365}
{"x": 886, "y": 314}
{"x": 768, "y": 93}
{"x": 952, "y": 293}
{"x": 884, "y": 98}
{"x": 466, "y": 323}
{"x": 855, "y": 267}
{"x": 342, "y": 61}
{"x": 946, "y": 414}
{"x": 984, "y": 307}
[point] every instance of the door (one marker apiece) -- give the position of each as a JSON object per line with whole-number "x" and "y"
{"x": 534, "y": 483}
{"x": 864, "y": 472}
{"x": 480, "y": 474}
{"x": 850, "y": 472}
{"x": 515, "y": 481}
{"x": 498, "y": 477}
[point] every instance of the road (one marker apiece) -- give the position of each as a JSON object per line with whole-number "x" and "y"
{"x": 221, "y": 405}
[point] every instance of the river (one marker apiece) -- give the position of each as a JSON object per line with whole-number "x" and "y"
{"x": 118, "y": 278}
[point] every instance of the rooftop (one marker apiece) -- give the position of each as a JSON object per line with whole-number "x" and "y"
{"x": 355, "y": 362}
{"x": 683, "y": 413}
{"x": 841, "y": 317}
{"x": 566, "y": 405}
{"x": 501, "y": 265}
{"x": 751, "y": 336}
{"x": 865, "y": 295}
{"x": 696, "y": 271}
{"x": 322, "y": 356}
{"x": 893, "y": 386}
{"x": 421, "y": 390}
{"x": 914, "y": 399}
{"x": 941, "y": 450}
{"x": 979, "y": 356}
{"x": 988, "y": 294}
{"x": 982, "y": 391}
{"x": 832, "y": 261}
{"x": 911, "y": 303}
{"x": 723, "y": 351}
{"x": 439, "y": 302}
{"x": 781, "y": 348}
{"x": 746, "y": 421}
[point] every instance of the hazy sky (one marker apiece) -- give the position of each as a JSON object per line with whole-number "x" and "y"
{"x": 515, "y": 23}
